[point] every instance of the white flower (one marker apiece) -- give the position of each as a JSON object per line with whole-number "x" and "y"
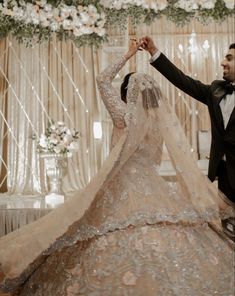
{"x": 41, "y": 3}
{"x": 67, "y": 24}
{"x": 92, "y": 8}
{"x": 67, "y": 139}
{"x": 230, "y": 4}
{"x": 54, "y": 139}
{"x": 207, "y": 4}
{"x": 64, "y": 12}
{"x": 59, "y": 148}
{"x": 77, "y": 32}
{"x": 43, "y": 141}
{"x": 84, "y": 17}
{"x": 145, "y": 4}
{"x": 162, "y": 4}
{"x": 54, "y": 26}
{"x": 118, "y": 5}
{"x": 187, "y": 5}
{"x": 35, "y": 21}
{"x": 86, "y": 30}
{"x": 73, "y": 146}
{"x": 100, "y": 32}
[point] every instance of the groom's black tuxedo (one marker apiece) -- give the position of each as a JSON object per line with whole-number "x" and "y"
{"x": 223, "y": 139}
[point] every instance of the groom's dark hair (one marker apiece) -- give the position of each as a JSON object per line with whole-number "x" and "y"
{"x": 232, "y": 46}
{"x": 124, "y": 86}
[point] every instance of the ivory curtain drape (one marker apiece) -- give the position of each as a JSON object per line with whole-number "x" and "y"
{"x": 56, "y": 80}
{"x": 3, "y": 112}
{"x": 48, "y": 81}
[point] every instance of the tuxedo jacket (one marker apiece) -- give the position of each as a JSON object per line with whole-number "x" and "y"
{"x": 223, "y": 139}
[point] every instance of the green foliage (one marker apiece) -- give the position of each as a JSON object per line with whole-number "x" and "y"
{"x": 27, "y": 31}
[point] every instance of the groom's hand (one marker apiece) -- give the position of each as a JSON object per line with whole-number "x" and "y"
{"x": 148, "y": 45}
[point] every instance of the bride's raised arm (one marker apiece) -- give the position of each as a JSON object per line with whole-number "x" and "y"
{"x": 110, "y": 96}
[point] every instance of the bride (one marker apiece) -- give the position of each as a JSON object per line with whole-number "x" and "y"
{"x": 130, "y": 231}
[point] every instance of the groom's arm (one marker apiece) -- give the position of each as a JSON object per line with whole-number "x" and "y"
{"x": 192, "y": 87}
{"x": 159, "y": 61}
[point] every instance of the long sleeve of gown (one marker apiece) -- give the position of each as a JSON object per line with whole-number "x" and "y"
{"x": 110, "y": 96}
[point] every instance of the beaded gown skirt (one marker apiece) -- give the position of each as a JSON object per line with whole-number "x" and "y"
{"x": 139, "y": 237}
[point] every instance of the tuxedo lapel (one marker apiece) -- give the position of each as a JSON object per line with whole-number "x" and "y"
{"x": 218, "y": 113}
{"x": 232, "y": 118}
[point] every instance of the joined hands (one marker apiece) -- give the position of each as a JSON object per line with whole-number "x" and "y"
{"x": 145, "y": 43}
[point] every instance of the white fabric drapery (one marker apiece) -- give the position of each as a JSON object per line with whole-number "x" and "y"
{"x": 3, "y": 111}
{"x": 50, "y": 81}
{"x": 56, "y": 80}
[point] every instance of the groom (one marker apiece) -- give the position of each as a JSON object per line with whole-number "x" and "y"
{"x": 219, "y": 97}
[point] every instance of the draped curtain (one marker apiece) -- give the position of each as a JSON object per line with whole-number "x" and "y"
{"x": 3, "y": 112}
{"x": 56, "y": 80}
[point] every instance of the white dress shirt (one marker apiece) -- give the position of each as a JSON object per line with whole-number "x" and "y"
{"x": 226, "y": 105}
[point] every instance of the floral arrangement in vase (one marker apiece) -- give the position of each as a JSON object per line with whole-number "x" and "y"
{"x": 59, "y": 139}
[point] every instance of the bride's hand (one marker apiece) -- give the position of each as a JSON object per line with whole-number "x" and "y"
{"x": 134, "y": 47}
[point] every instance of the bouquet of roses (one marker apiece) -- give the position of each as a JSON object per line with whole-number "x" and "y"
{"x": 58, "y": 138}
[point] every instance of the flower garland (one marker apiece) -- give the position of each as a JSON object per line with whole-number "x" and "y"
{"x": 85, "y": 21}
{"x": 40, "y": 19}
{"x": 144, "y": 4}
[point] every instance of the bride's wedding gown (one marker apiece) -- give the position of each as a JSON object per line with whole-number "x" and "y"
{"x": 131, "y": 231}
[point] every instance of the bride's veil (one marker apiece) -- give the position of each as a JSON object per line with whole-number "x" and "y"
{"x": 150, "y": 113}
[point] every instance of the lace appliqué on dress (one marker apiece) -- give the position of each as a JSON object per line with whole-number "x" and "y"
{"x": 111, "y": 98}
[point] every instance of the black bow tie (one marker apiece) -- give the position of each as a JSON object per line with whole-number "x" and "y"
{"x": 230, "y": 88}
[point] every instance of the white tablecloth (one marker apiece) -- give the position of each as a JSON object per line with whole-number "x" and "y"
{"x": 16, "y": 211}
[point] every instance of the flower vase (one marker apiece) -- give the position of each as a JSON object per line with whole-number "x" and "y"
{"x": 56, "y": 168}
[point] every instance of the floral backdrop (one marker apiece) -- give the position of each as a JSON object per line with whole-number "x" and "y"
{"x": 86, "y": 21}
